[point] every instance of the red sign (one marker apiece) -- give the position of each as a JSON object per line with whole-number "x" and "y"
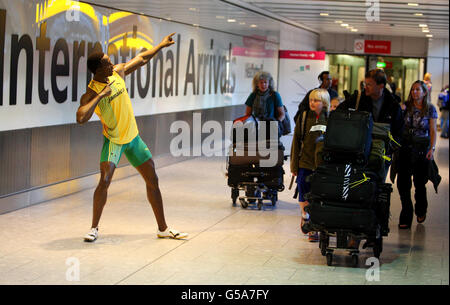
{"x": 377, "y": 46}
{"x": 240, "y": 51}
{"x": 311, "y": 55}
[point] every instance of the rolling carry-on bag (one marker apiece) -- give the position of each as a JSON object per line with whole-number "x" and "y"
{"x": 324, "y": 215}
{"x": 348, "y": 137}
{"x": 345, "y": 184}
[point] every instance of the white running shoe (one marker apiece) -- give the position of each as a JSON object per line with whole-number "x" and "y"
{"x": 91, "y": 236}
{"x": 171, "y": 233}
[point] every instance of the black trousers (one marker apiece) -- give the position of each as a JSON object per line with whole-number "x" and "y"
{"x": 412, "y": 164}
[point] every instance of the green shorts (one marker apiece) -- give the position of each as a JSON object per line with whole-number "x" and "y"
{"x": 136, "y": 151}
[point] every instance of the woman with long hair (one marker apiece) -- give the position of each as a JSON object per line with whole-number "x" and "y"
{"x": 264, "y": 102}
{"x": 418, "y": 145}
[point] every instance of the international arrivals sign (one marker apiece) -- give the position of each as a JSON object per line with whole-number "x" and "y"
{"x": 43, "y": 71}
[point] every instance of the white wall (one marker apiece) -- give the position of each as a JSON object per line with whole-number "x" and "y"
{"x": 437, "y": 65}
{"x": 292, "y": 38}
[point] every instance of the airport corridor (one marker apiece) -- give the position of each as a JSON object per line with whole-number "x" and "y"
{"x": 227, "y": 245}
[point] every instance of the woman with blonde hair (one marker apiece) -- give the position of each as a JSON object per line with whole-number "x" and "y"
{"x": 306, "y": 147}
{"x": 427, "y": 81}
{"x": 418, "y": 145}
{"x": 264, "y": 102}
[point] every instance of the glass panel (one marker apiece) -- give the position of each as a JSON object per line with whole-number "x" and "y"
{"x": 401, "y": 73}
{"x": 347, "y": 71}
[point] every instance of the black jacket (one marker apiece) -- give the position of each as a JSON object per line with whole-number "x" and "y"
{"x": 432, "y": 171}
{"x": 390, "y": 112}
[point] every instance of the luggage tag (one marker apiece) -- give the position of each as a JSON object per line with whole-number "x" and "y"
{"x": 322, "y": 128}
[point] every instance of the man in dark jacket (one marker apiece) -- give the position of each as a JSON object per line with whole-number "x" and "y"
{"x": 325, "y": 80}
{"x": 377, "y": 100}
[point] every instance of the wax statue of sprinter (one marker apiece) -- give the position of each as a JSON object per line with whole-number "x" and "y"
{"x": 107, "y": 96}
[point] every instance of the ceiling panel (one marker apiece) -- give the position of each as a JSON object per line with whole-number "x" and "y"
{"x": 211, "y": 14}
{"x": 397, "y": 18}
{"x": 263, "y": 17}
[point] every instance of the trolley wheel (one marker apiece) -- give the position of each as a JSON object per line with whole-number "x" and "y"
{"x": 274, "y": 200}
{"x": 329, "y": 258}
{"x": 260, "y": 204}
{"x": 244, "y": 203}
{"x": 355, "y": 260}
{"x": 234, "y": 195}
{"x": 378, "y": 247}
{"x": 323, "y": 244}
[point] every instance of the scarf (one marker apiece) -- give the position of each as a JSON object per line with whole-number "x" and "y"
{"x": 260, "y": 104}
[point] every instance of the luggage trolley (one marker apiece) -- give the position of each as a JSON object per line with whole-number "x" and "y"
{"x": 349, "y": 200}
{"x": 376, "y": 225}
{"x": 244, "y": 172}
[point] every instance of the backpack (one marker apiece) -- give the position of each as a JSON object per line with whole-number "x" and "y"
{"x": 285, "y": 125}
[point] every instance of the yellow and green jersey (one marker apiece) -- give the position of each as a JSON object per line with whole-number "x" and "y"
{"x": 115, "y": 111}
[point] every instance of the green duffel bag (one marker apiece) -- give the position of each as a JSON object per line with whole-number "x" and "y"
{"x": 377, "y": 158}
{"x": 382, "y": 131}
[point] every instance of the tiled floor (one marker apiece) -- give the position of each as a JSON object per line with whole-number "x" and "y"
{"x": 228, "y": 245}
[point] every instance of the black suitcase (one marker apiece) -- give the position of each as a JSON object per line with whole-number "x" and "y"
{"x": 327, "y": 216}
{"x": 348, "y": 137}
{"x": 345, "y": 184}
{"x": 271, "y": 177}
{"x": 244, "y": 157}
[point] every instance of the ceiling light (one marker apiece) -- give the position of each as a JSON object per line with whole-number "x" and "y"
{"x": 418, "y": 14}
{"x": 196, "y": 24}
{"x": 425, "y": 31}
{"x": 338, "y": 21}
{"x": 429, "y": 35}
{"x": 231, "y": 20}
{"x": 324, "y": 14}
{"x": 242, "y": 23}
{"x": 354, "y": 30}
{"x": 192, "y": 9}
{"x": 344, "y": 24}
{"x": 220, "y": 17}
{"x": 423, "y": 25}
{"x": 253, "y": 26}
{"x": 413, "y": 4}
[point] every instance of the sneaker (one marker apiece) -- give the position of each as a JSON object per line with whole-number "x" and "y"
{"x": 91, "y": 236}
{"x": 313, "y": 237}
{"x": 304, "y": 221}
{"x": 171, "y": 233}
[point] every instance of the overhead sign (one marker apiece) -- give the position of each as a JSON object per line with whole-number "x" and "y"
{"x": 372, "y": 46}
{"x": 310, "y": 55}
{"x": 298, "y": 74}
{"x": 358, "y": 46}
